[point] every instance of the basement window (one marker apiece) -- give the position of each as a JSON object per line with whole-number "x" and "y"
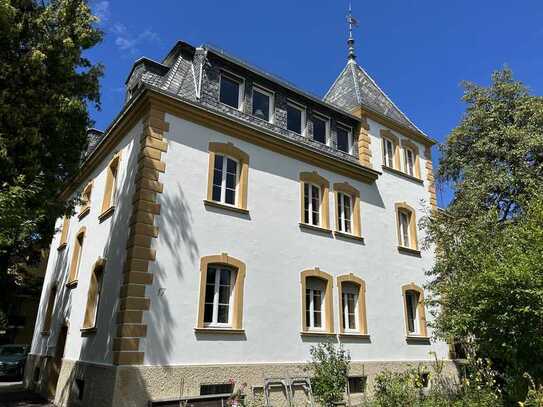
{"x": 357, "y": 384}
{"x": 220, "y": 388}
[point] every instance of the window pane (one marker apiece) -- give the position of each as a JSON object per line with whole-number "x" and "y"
{"x": 409, "y": 161}
{"x": 231, "y": 166}
{"x": 261, "y": 105}
{"x": 208, "y": 313}
{"x": 319, "y": 130}
{"x": 315, "y": 205}
{"x": 347, "y": 212}
{"x": 294, "y": 119}
{"x": 411, "y": 311}
{"x": 339, "y": 211}
{"x": 307, "y": 306}
{"x": 318, "y": 319}
{"x": 229, "y": 93}
{"x": 404, "y": 229}
{"x": 225, "y": 277}
{"x": 306, "y": 203}
{"x": 389, "y": 153}
{"x": 222, "y": 316}
{"x": 343, "y": 140}
{"x": 317, "y": 304}
{"x": 230, "y": 197}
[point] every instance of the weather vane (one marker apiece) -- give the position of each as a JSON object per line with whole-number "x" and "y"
{"x": 353, "y": 22}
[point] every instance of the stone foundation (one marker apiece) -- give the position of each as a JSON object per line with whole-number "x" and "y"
{"x": 134, "y": 386}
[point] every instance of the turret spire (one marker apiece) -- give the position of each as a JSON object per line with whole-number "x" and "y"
{"x": 350, "y": 41}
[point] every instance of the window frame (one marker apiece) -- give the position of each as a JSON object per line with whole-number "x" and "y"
{"x": 216, "y": 289}
{"x": 364, "y": 383}
{"x": 242, "y": 158}
{"x": 303, "y": 118}
{"x": 420, "y": 321}
{"x": 327, "y": 131}
{"x": 271, "y": 95}
{"x": 310, "y": 210}
{"x": 362, "y": 324}
{"x": 350, "y": 137}
{"x": 348, "y": 189}
{"x": 410, "y": 145}
{"x": 86, "y": 196}
{"x": 241, "y": 88}
{"x": 388, "y": 160}
{"x": 389, "y": 135}
{"x": 223, "y": 187}
{"x": 111, "y": 193}
{"x": 327, "y": 316}
{"x": 94, "y": 295}
{"x": 321, "y": 182}
{"x": 75, "y": 263}
{"x": 237, "y": 308}
{"x": 404, "y": 208}
{"x": 64, "y": 233}
{"x": 409, "y": 170}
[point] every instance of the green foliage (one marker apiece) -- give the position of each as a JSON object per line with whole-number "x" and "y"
{"x": 486, "y": 286}
{"x": 45, "y": 85}
{"x": 329, "y": 367}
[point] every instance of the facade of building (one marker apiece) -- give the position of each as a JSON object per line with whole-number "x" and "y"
{"x": 228, "y": 222}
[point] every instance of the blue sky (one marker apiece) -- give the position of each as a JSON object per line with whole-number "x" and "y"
{"x": 418, "y": 51}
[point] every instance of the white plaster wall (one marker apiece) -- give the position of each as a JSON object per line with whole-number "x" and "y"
{"x": 106, "y": 239}
{"x": 275, "y": 251}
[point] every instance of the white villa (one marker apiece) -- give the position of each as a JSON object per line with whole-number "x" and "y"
{"x": 228, "y": 222}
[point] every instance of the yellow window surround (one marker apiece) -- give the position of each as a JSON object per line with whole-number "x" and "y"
{"x": 86, "y": 200}
{"x": 387, "y": 134}
{"x": 93, "y": 295}
{"x": 76, "y": 257}
{"x": 403, "y": 207}
{"x": 64, "y": 233}
{"x": 361, "y": 285}
{"x": 328, "y": 298}
{"x": 349, "y": 190}
{"x": 421, "y": 310}
{"x": 110, "y": 191}
{"x": 315, "y": 179}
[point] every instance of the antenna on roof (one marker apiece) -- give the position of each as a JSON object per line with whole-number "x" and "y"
{"x": 353, "y": 22}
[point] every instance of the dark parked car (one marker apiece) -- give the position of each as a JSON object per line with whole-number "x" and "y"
{"x": 12, "y": 360}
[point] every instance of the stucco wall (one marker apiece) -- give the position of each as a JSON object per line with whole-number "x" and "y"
{"x": 105, "y": 239}
{"x": 275, "y": 251}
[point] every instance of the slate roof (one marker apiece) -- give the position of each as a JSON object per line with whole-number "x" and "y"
{"x": 354, "y": 87}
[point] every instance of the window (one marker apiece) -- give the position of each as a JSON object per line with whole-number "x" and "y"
{"x": 85, "y": 200}
{"x": 344, "y": 139}
{"x": 352, "y": 305}
{"x": 321, "y": 128}
{"x": 76, "y": 258}
{"x": 218, "y": 296}
{"x": 407, "y": 227}
{"x": 415, "y": 320}
{"x": 388, "y": 148}
{"x": 312, "y": 204}
{"x": 94, "y": 294}
{"x": 357, "y": 384}
{"x": 231, "y": 91}
{"x": 225, "y": 179}
{"x": 64, "y": 232}
{"x": 110, "y": 193}
{"x": 409, "y": 162}
{"x": 262, "y": 104}
{"x": 317, "y": 308}
{"x": 220, "y": 388}
{"x": 228, "y": 175}
{"x": 295, "y": 118}
{"x": 347, "y": 209}
{"x": 221, "y": 293}
{"x": 49, "y": 310}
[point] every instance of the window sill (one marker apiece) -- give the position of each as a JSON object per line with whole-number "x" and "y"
{"x": 84, "y": 212}
{"x": 106, "y": 214}
{"x": 354, "y": 336}
{"x": 62, "y": 246}
{"x": 72, "y": 284}
{"x": 212, "y": 330}
{"x": 408, "y": 250}
{"x": 417, "y": 339}
{"x": 88, "y": 331}
{"x": 317, "y": 333}
{"x": 45, "y": 333}
{"x": 315, "y": 228}
{"x": 344, "y": 235}
{"x": 403, "y": 174}
{"x": 226, "y": 207}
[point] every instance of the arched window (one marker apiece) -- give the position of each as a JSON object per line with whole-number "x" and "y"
{"x": 411, "y": 159}
{"x": 347, "y": 209}
{"x": 85, "y": 200}
{"x": 391, "y": 149}
{"x": 352, "y": 305}
{"x": 406, "y": 227}
{"x": 221, "y": 293}
{"x": 46, "y": 327}
{"x": 314, "y": 200}
{"x": 64, "y": 232}
{"x": 228, "y": 175}
{"x": 94, "y": 294}
{"x": 111, "y": 189}
{"x": 317, "y": 307}
{"x": 76, "y": 258}
{"x": 414, "y": 311}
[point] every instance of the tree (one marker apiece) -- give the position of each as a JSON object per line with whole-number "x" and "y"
{"x": 486, "y": 286}
{"x": 45, "y": 86}
{"x": 329, "y": 367}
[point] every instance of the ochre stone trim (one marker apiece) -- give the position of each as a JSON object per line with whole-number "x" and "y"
{"x": 403, "y": 206}
{"x": 430, "y": 178}
{"x": 94, "y": 293}
{"x": 416, "y": 165}
{"x": 316, "y": 179}
{"x": 111, "y": 184}
{"x": 139, "y": 251}
{"x": 328, "y": 298}
{"x": 362, "y": 321}
{"x": 421, "y": 310}
{"x": 364, "y": 143}
{"x": 64, "y": 233}
{"x": 241, "y": 270}
{"x": 86, "y": 200}
{"x": 348, "y": 189}
{"x": 76, "y": 257}
{"x": 387, "y": 134}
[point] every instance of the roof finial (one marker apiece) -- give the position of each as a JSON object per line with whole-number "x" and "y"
{"x": 350, "y": 42}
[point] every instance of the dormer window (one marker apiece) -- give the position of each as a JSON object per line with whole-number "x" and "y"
{"x": 231, "y": 91}
{"x": 262, "y": 104}
{"x": 295, "y": 118}
{"x": 344, "y": 139}
{"x": 321, "y": 128}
